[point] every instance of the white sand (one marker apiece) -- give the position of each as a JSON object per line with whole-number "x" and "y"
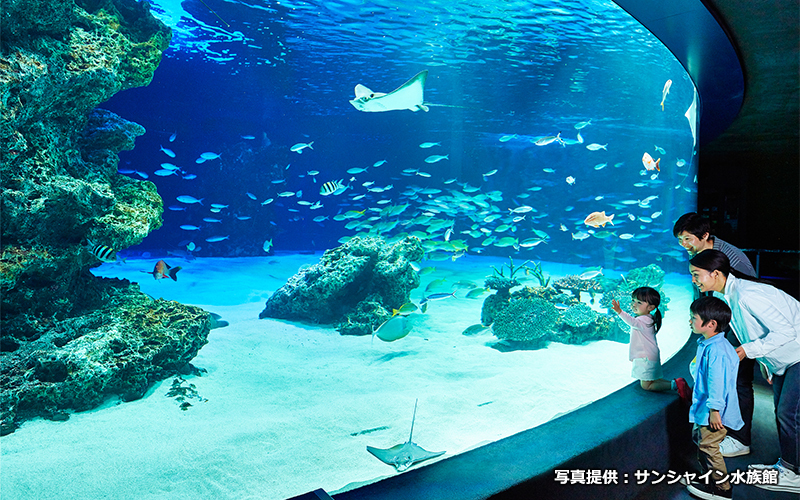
{"x": 283, "y": 399}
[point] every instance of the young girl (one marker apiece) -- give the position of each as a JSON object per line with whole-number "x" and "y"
{"x": 644, "y": 349}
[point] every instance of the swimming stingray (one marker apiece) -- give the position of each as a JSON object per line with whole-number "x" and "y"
{"x": 407, "y": 96}
{"x": 403, "y": 456}
{"x": 691, "y": 115}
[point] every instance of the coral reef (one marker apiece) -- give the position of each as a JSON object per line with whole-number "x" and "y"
{"x": 354, "y": 285}
{"x": 620, "y": 290}
{"x": 503, "y": 283}
{"x": 576, "y": 285}
{"x": 579, "y": 316}
{"x": 525, "y": 320}
{"x": 120, "y": 345}
{"x": 68, "y": 338}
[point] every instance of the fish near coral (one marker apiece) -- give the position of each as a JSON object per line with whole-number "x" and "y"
{"x": 102, "y": 252}
{"x": 162, "y": 270}
{"x": 597, "y": 219}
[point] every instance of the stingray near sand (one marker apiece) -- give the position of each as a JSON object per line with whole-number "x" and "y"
{"x": 407, "y": 96}
{"x": 403, "y": 456}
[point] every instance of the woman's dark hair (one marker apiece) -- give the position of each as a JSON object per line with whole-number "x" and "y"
{"x": 708, "y": 308}
{"x": 650, "y": 296}
{"x": 692, "y": 223}
{"x": 714, "y": 260}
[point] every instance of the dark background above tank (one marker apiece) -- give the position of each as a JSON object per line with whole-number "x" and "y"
{"x": 749, "y": 180}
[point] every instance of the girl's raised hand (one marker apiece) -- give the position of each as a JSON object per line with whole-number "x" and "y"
{"x": 615, "y": 306}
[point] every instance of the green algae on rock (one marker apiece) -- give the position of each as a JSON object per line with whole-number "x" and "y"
{"x": 120, "y": 348}
{"x": 69, "y": 339}
{"x": 355, "y": 285}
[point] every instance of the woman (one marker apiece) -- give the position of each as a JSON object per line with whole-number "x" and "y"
{"x": 767, "y": 323}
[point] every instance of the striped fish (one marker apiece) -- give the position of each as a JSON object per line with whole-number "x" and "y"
{"x": 333, "y": 187}
{"x": 102, "y": 252}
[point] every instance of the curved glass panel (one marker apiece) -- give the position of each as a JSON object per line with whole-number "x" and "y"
{"x": 551, "y": 140}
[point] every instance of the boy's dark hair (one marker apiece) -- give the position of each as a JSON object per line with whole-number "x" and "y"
{"x": 692, "y": 223}
{"x": 709, "y": 308}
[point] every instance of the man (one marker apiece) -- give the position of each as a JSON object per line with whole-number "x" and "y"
{"x": 694, "y": 234}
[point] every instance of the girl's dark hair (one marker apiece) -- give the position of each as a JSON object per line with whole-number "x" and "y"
{"x": 714, "y": 260}
{"x": 650, "y": 296}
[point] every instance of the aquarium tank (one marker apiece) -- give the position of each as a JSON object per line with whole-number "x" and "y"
{"x": 343, "y": 238}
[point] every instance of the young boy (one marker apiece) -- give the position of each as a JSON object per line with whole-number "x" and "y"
{"x": 715, "y": 404}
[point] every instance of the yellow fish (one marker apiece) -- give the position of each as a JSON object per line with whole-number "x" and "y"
{"x": 597, "y": 219}
{"x": 665, "y": 92}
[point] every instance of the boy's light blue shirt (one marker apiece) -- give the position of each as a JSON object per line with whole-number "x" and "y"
{"x": 714, "y": 369}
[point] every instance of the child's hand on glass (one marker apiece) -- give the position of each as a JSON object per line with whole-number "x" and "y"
{"x": 615, "y": 306}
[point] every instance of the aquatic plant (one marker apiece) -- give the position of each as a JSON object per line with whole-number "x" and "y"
{"x": 537, "y": 273}
{"x": 525, "y": 320}
{"x": 512, "y": 269}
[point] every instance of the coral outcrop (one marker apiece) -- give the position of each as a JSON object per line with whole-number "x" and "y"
{"x": 69, "y": 338}
{"x": 531, "y": 316}
{"x": 355, "y": 285}
{"x": 119, "y": 347}
{"x": 525, "y": 320}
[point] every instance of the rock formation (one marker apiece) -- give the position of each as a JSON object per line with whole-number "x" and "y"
{"x": 355, "y": 285}
{"x": 68, "y": 338}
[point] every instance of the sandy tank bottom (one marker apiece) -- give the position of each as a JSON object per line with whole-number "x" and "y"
{"x": 285, "y": 408}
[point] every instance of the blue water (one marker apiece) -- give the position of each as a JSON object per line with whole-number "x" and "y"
{"x": 248, "y": 82}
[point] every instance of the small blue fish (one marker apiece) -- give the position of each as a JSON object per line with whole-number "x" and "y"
{"x": 188, "y": 227}
{"x": 215, "y": 239}
{"x": 426, "y": 145}
{"x": 438, "y": 296}
{"x": 378, "y": 163}
{"x": 582, "y": 125}
{"x": 184, "y": 198}
{"x": 436, "y": 158}
{"x": 167, "y": 152}
{"x": 300, "y": 146}
{"x": 251, "y": 196}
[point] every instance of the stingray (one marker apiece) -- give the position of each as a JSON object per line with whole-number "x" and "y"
{"x": 404, "y": 455}
{"x": 691, "y": 115}
{"x": 407, "y": 96}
